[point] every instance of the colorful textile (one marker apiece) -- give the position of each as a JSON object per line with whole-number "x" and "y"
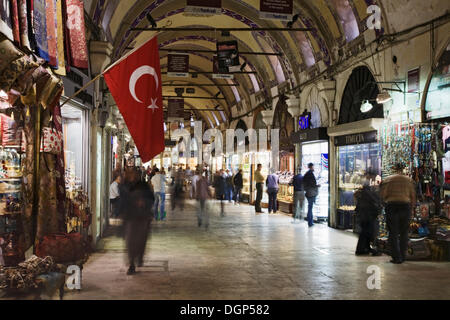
{"x": 40, "y": 28}
{"x": 15, "y": 21}
{"x": 23, "y": 24}
{"x": 5, "y": 20}
{"x": 50, "y": 15}
{"x": 60, "y": 40}
{"x": 77, "y": 34}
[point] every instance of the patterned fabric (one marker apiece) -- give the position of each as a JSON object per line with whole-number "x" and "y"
{"x": 51, "y": 141}
{"x": 40, "y": 28}
{"x": 14, "y": 70}
{"x": 5, "y": 21}
{"x": 60, "y": 39}
{"x": 23, "y": 23}
{"x": 49, "y": 218}
{"x": 15, "y": 21}
{"x": 60, "y": 168}
{"x": 8, "y": 52}
{"x": 50, "y": 16}
{"x": 76, "y": 33}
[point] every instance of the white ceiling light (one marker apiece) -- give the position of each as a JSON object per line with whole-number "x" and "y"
{"x": 366, "y": 106}
{"x": 383, "y": 97}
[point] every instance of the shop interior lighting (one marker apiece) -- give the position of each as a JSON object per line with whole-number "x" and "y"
{"x": 366, "y": 106}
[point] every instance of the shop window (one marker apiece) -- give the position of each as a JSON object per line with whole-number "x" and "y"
{"x": 75, "y": 148}
{"x": 438, "y": 96}
{"x": 347, "y": 18}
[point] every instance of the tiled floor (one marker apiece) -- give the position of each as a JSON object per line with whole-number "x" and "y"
{"x": 248, "y": 256}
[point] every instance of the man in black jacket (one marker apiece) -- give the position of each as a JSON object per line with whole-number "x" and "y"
{"x": 311, "y": 191}
{"x": 238, "y": 185}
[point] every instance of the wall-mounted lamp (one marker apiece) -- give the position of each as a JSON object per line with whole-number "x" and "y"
{"x": 366, "y": 106}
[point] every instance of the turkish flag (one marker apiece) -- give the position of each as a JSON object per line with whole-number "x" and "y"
{"x": 135, "y": 84}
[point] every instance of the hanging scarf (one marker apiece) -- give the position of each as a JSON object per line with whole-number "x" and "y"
{"x": 50, "y": 15}
{"x": 15, "y": 21}
{"x": 60, "y": 167}
{"x": 76, "y": 33}
{"x": 6, "y": 22}
{"x": 23, "y": 23}
{"x": 60, "y": 39}
{"x": 40, "y": 28}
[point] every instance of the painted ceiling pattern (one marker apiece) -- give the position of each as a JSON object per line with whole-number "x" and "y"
{"x": 333, "y": 22}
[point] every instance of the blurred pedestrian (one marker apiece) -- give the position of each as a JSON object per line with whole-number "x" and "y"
{"x": 114, "y": 194}
{"x": 368, "y": 207}
{"x": 259, "y": 180}
{"x": 238, "y": 185}
{"x": 159, "y": 188}
{"x": 399, "y": 193}
{"x": 136, "y": 203}
{"x": 228, "y": 185}
{"x": 299, "y": 195}
{"x": 311, "y": 191}
{"x": 219, "y": 186}
{"x": 202, "y": 194}
{"x": 178, "y": 190}
{"x": 272, "y": 190}
{"x": 194, "y": 180}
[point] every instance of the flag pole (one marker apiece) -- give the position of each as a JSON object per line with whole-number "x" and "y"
{"x": 103, "y": 72}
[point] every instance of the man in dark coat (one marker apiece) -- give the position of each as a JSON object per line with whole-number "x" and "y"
{"x": 311, "y": 191}
{"x": 219, "y": 186}
{"x": 136, "y": 203}
{"x": 368, "y": 207}
{"x": 238, "y": 185}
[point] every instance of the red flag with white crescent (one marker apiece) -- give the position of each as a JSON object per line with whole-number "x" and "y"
{"x": 135, "y": 84}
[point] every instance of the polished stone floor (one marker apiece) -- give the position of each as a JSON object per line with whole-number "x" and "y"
{"x": 248, "y": 256}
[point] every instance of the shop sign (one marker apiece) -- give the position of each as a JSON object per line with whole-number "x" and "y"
{"x": 204, "y": 7}
{"x": 178, "y": 65}
{"x": 175, "y": 110}
{"x": 228, "y": 56}
{"x": 358, "y": 138}
{"x": 217, "y": 74}
{"x": 304, "y": 121}
{"x": 309, "y": 135}
{"x": 413, "y": 80}
{"x": 276, "y": 9}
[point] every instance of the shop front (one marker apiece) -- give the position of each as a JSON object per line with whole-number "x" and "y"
{"x": 314, "y": 148}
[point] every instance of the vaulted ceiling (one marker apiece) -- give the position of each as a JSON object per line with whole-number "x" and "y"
{"x": 333, "y": 23}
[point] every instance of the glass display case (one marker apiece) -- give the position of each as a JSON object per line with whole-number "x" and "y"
{"x": 247, "y": 177}
{"x": 317, "y": 153}
{"x": 353, "y": 162}
{"x": 285, "y": 195}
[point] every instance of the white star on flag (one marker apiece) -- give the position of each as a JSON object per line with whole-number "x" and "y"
{"x": 153, "y": 106}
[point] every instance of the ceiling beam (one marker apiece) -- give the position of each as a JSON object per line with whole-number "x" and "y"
{"x": 195, "y": 97}
{"x": 212, "y": 72}
{"x": 215, "y": 52}
{"x": 183, "y": 29}
{"x": 200, "y": 85}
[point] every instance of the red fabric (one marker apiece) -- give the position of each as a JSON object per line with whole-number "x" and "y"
{"x": 76, "y": 33}
{"x": 15, "y": 21}
{"x": 142, "y": 113}
{"x": 50, "y": 14}
{"x": 11, "y": 134}
{"x": 62, "y": 247}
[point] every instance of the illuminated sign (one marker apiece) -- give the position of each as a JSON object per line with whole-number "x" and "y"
{"x": 305, "y": 121}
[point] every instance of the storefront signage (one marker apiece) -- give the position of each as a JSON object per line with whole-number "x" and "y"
{"x": 304, "y": 121}
{"x": 204, "y": 7}
{"x": 309, "y": 135}
{"x": 276, "y": 9}
{"x": 175, "y": 110}
{"x": 217, "y": 74}
{"x": 178, "y": 65}
{"x": 358, "y": 138}
{"x": 228, "y": 56}
{"x": 413, "y": 80}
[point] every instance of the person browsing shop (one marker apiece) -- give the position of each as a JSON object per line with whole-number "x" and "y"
{"x": 259, "y": 180}
{"x": 114, "y": 194}
{"x": 311, "y": 191}
{"x": 299, "y": 194}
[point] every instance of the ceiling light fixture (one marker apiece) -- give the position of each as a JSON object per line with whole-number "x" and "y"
{"x": 383, "y": 97}
{"x": 366, "y": 106}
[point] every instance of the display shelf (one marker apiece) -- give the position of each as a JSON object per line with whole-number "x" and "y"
{"x": 11, "y": 179}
